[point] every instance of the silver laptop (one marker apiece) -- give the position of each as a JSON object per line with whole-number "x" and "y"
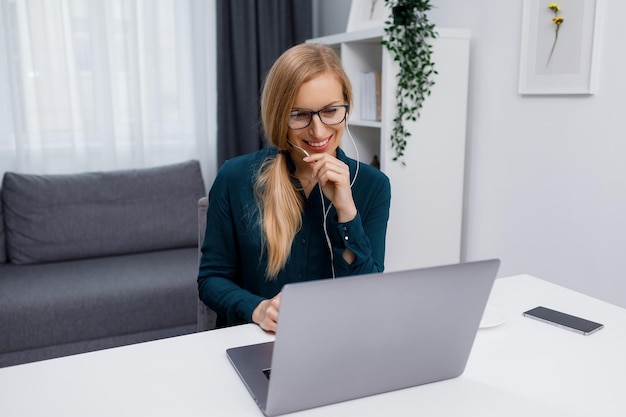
{"x": 357, "y": 336}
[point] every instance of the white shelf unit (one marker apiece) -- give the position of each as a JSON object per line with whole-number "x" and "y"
{"x": 425, "y": 222}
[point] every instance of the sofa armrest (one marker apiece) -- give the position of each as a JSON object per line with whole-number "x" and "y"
{"x": 3, "y": 250}
{"x": 206, "y": 317}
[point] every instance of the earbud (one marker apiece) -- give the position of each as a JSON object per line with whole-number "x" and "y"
{"x": 297, "y": 147}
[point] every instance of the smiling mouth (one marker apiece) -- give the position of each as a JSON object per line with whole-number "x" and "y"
{"x": 318, "y": 144}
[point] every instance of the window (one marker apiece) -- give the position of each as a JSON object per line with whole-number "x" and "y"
{"x": 102, "y": 84}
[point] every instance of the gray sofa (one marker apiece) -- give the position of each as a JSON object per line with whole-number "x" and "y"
{"x": 96, "y": 260}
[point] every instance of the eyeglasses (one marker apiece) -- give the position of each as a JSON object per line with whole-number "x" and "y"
{"x": 331, "y": 115}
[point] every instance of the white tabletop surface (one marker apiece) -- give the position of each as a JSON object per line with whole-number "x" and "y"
{"x": 519, "y": 368}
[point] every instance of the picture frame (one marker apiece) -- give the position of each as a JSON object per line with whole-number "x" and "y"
{"x": 366, "y": 14}
{"x": 559, "y": 57}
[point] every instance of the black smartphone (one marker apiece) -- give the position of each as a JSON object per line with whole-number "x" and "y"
{"x": 565, "y": 321}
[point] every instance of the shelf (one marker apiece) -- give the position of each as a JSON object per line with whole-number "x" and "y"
{"x": 424, "y": 226}
{"x": 368, "y": 35}
{"x": 375, "y": 35}
{"x": 365, "y": 123}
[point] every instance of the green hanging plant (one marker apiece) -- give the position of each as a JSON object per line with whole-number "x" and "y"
{"x": 407, "y": 38}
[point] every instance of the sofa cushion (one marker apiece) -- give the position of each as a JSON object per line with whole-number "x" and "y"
{"x": 63, "y": 217}
{"x": 64, "y": 302}
{"x": 3, "y": 248}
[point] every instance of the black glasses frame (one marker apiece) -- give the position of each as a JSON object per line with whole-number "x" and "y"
{"x": 312, "y": 113}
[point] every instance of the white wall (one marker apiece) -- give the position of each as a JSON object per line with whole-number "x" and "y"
{"x": 545, "y": 175}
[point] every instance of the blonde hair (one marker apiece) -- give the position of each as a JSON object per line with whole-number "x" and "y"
{"x": 279, "y": 201}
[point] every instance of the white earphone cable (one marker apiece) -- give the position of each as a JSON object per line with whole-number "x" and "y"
{"x": 327, "y": 210}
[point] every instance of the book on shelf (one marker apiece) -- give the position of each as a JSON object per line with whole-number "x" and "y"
{"x": 370, "y": 84}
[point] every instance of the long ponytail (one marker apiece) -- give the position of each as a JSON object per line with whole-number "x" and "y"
{"x": 280, "y": 202}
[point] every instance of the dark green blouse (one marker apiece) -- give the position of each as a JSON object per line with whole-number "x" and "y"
{"x": 231, "y": 278}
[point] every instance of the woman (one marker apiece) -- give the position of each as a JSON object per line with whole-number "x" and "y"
{"x": 299, "y": 209}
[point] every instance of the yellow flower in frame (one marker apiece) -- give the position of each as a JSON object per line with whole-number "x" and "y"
{"x": 554, "y": 7}
{"x": 557, "y": 20}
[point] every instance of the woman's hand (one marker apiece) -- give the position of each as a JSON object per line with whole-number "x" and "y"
{"x": 333, "y": 177}
{"x": 266, "y": 314}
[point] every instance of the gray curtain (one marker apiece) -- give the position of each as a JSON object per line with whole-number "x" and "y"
{"x": 251, "y": 34}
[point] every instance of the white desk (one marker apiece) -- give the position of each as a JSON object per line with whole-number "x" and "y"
{"x": 520, "y": 368}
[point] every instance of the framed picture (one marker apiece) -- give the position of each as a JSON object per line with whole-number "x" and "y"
{"x": 366, "y": 14}
{"x": 559, "y": 47}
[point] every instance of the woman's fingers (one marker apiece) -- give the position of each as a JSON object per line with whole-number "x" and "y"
{"x": 266, "y": 314}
